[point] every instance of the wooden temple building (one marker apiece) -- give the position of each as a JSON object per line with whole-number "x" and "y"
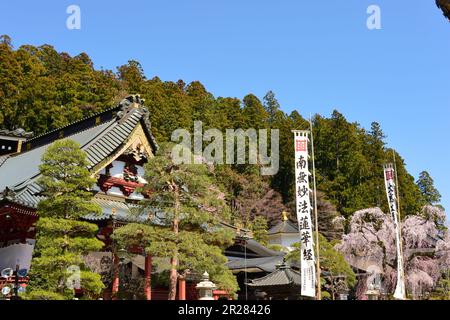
{"x": 248, "y": 260}
{"x": 118, "y": 142}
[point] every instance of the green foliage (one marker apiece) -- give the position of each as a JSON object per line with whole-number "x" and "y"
{"x": 132, "y": 76}
{"x": 259, "y": 228}
{"x": 442, "y": 290}
{"x": 271, "y": 105}
{"x": 65, "y": 181}
{"x": 192, "y": 208}
{"x": 62, "y": 239}
{"x": 254, "y": 114}
{"x": 92, "y": 285}
{"x": 39, "y": 294}
{"x": 42, "y": 89}
{"x": 326, "y": 295}
{"x": 350, "y": 161}
{"x": 135, "y": 235}
{"x": 429, "y": 192}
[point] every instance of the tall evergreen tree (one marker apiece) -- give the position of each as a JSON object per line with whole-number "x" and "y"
{"x": 271, "y": 105}
{"x": 411, "y": 200}
{"x": 132, "y": 74}
{"x": 203, "y": 105}
{"x": 164, "y": 99}
{"x": 231, "y": 108}
{"x": 186, "y": 199}
{"x": 62, "y": 239}
{"x": 375, "y": 157}
{"x": 429, "y": 192}
{"x": 255, "y": 116}
{"x": 259, "y": 229}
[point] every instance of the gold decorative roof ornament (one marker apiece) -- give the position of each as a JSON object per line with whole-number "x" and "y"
{"x": 285, "y": 216}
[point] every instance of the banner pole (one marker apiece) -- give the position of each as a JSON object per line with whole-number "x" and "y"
{"x": 316, "y": 222}
{"x": 396, "y": 188}
{"x": 399, "y": 213}
{"x": 304, "y": 214}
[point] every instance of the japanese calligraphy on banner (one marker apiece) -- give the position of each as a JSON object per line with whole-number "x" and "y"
{"x": 303, "y": 207}
{"x": 389, "y": 173}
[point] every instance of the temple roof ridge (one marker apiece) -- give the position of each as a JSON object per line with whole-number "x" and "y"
{"x": 280, "y": 277}
{"x": 284, "y": 226}
{"x": 130, "y": 102}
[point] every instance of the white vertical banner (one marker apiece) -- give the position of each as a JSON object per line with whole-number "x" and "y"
{"x": 303, "y": 207}
{"x": 389, "y": 174}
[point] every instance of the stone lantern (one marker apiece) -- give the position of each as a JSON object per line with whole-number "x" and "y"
{"x": 205, "y": 288}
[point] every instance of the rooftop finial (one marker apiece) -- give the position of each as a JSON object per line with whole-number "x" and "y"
{"x": 285, "y": 216}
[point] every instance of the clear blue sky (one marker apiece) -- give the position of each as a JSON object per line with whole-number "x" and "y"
{"x": 315, "y": 55}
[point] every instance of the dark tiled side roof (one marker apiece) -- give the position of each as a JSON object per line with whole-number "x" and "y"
{"x": 125, "y": 212}
{"x": 283, "y": 276}
{"x": 265, "y": 264}
{"x": 114, "y": 136}
{"x": 29, "y": 196}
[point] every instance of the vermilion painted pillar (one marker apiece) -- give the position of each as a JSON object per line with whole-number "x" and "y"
{"x": 181, "y": 288}
{"x": 116, "y": 280}
{"x": 148, "y": 277}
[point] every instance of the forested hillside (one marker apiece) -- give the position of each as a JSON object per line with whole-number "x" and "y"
{"x": 42, "y": 89}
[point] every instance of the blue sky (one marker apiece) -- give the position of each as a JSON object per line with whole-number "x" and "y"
{"x": 315, "y": 55}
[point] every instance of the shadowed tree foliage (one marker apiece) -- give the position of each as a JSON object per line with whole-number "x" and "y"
{"x": 331, "y": 224}
{"x": 444, "y": 5}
